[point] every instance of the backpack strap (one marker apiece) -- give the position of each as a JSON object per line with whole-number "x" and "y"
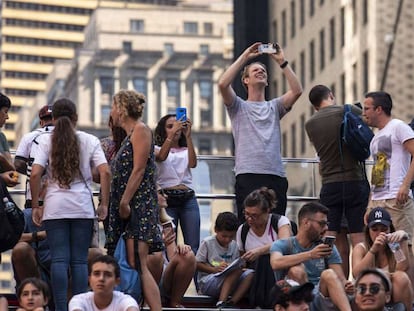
{"x": 244, "y": 231}
{"x": 274, "y": 222}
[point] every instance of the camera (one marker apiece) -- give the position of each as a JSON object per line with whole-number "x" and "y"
{"x": 269, "y": 48}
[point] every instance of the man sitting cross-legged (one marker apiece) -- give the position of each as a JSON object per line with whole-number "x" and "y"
{"x": 304, "y": 257}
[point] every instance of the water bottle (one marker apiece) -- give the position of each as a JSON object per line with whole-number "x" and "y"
{"x": 398, "y": 252}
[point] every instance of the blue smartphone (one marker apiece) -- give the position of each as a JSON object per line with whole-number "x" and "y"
{"x": 181, "y": 114}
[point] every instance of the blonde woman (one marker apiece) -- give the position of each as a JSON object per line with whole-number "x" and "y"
{"x": 133, "y": 202}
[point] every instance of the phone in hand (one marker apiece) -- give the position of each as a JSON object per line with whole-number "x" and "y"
{"x": 181, "y": 114}
{"x": 329, "y": 240}
{"x": 268, "y": 48}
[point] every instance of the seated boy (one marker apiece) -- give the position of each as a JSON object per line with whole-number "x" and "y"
{"x": 215, "y": 254}
{"x": 104, "y": 275}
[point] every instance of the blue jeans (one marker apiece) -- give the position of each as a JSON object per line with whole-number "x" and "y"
{"x": 69, "y": 241}
{"x": 188, "y": 215}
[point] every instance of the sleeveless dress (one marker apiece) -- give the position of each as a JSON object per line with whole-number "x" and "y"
{"x": 143, "y": 222}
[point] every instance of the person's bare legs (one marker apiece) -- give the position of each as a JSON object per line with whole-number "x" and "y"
{"x": 242, "y": 288}
{"x": 178, "y": 275}
{"x": 149, "y": 287}
{"x": 402, "y": 290}
{"x": 330, "y": 286}
{"x": 4, "y": 305}
{"x": 155, "y": 262}
{"x": 228, "y": 284}
{"x": 342, "y": 244}
{"x": 24, "y": 262}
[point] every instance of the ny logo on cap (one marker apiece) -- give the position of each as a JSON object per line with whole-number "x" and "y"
{"x": 378, "y": 214}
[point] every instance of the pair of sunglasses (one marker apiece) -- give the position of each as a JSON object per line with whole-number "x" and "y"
{"x": 373, "y": 289}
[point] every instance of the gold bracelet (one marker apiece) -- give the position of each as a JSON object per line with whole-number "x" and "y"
{"x": 370, "y": 250}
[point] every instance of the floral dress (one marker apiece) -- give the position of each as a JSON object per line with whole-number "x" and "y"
{"x": 143, "y": 222}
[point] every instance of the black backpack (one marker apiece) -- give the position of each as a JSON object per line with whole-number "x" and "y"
{"x": 264, "y": 279}
{"x": 355, "y": 134}
{"x": 11, "y": 223}
{"x": 274, "y": 221}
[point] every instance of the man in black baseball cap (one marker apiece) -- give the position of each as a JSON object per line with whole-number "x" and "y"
{"x": 289, "y": 295}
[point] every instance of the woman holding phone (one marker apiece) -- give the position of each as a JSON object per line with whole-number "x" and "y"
{"x": 175, "y": 156}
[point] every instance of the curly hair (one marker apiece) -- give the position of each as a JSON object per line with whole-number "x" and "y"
{"x": 161, "y": 133}
{"x": 118, "y": 134}
{"x": 130, "y": 102}
{"x": 264, "y": 198}
{"x": 65, "y": 151}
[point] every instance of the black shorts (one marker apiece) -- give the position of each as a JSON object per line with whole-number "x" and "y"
{"x": 348, "y": 199}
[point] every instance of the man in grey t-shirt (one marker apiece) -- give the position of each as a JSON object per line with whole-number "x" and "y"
{"x": 256, "y": 125}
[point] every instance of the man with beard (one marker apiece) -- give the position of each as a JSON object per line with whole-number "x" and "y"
{"x": 305, "y": 257}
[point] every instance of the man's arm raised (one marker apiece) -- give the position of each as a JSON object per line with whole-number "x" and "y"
{"x": 295, "y": 87}
{"x": 230, "y": 74}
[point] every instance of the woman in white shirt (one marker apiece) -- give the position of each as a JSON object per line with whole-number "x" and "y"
{"x": 175, "y": 156}
{"x": 68, "y": 156}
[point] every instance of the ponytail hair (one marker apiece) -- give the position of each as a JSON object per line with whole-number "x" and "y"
{"x": 65, "y": 151}
{"x": 264, "y": 198}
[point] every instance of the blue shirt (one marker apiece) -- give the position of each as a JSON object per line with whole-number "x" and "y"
{"x": 313, "y": 267}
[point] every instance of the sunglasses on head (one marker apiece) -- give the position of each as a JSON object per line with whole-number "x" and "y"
{"x": 373, "y": 289}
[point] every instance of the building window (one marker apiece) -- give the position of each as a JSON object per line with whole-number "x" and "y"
{"x": 312, "y": 60}
{"x": 311, "y": 7}
{"x": 302, "y": 134}
{"x": 208, "y": 28}
{"x": 284, "y": 30}
{"x": 230, "y": 30}
{"x": 173, "y": 88}
{"x": 342, "y": 26}
{"x": 365, "y": 71}
{"x": 136, "y": 25}
{"x": 354, "y": 17}
{"x": 275, "y": 36}
{"x": 168, "y": 49}
{"x": 191, "y": 28}
{"x": 302, "y": 69}
{"x": 365, "y": 12}
{"x": 206, "y": 94}
{"x": 206, "y": 89}
{"x": 322, "y": 49}
{"x": 140, "y": 85}
{"x": 204, "y": 146}
{"x": 332, "y": 38}
{"x": 293, "y": 140}
{"x": 107, "y": 91}
{"x": 343, "y": 88}
{"x": 333, "y": 89}
{"x": 354, "y": 82}
{"x": 302, "y": 13}
{"x": 127, "y": 47}
{"x": 292, "y": 19}
{"x": 204, "y": 49}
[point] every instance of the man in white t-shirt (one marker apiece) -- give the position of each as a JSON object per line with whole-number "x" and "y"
{"x": 104, "y": 275}
{"x": 391, "y": 148}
